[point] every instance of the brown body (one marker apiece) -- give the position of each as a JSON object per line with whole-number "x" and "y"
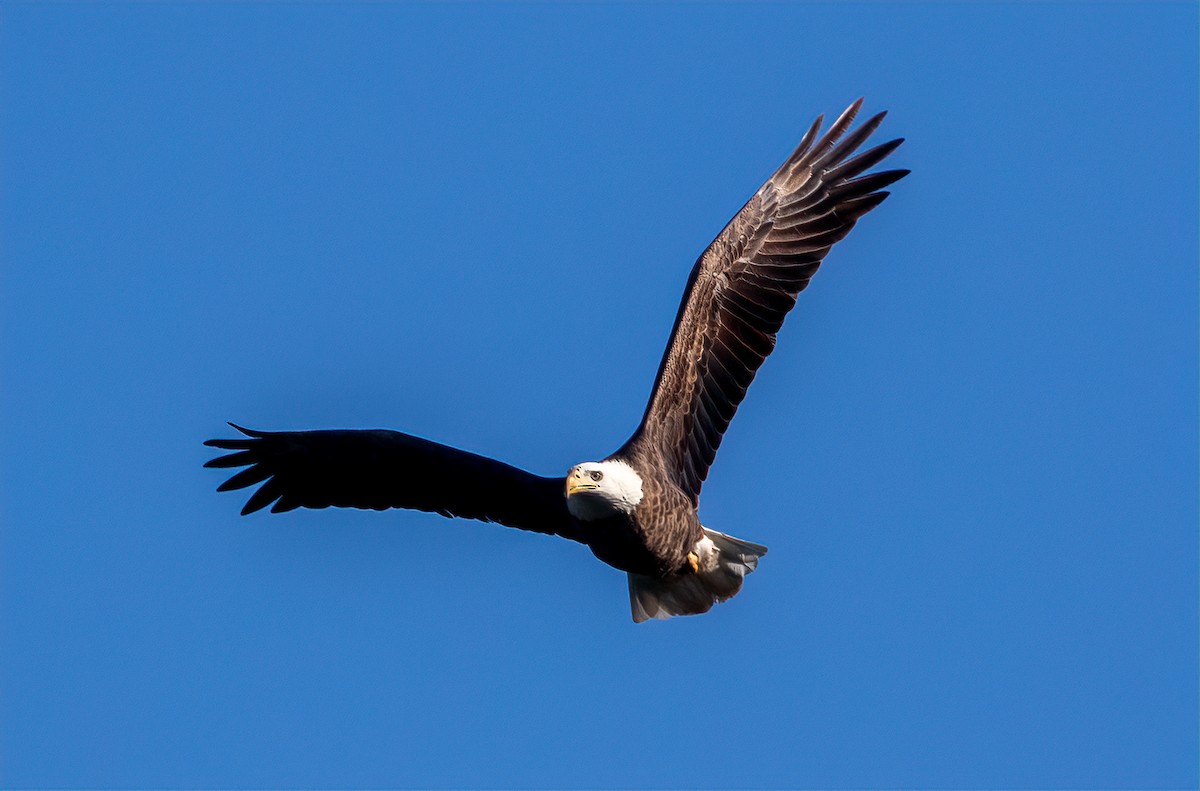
{"x": 655, "y": 539}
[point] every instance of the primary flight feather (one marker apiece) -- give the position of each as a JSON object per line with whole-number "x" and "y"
{"x": 637, "y": 508}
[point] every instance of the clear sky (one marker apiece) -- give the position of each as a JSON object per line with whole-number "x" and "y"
{"x": 973, "y": 454}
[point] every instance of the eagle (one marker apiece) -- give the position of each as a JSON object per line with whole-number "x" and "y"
{"x": 635, "y": 509}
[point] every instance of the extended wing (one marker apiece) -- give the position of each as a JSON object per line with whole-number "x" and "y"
{"x": 744, "y": 285}
{"x": 386, "y": 469}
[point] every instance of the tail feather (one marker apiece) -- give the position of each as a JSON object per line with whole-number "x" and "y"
{"x": 724, "y": 562}
{"x": 745, "y": 551}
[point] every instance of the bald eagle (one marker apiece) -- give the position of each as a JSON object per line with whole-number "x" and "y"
{"x": 637, "y": 508}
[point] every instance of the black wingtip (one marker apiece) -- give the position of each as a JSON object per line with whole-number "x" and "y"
{"x": 237, "y": 444}
{"x": 267, "y": 494}
{"x": 249, "y": 432}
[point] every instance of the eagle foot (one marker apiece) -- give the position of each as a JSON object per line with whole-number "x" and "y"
{"x": 694, "y": 561}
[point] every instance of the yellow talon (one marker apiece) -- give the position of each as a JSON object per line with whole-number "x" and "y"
{"x": 694, "y": 561}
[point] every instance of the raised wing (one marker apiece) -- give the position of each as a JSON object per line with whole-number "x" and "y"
{"x": 744, "y": 285}
{"x": 381, "y": 469}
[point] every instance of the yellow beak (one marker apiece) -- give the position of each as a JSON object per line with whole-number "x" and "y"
{"x": 577, "y": 482}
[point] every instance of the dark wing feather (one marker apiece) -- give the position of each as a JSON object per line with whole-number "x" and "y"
{"x": 744, "y": 285}
{"x": 381, "y": 469}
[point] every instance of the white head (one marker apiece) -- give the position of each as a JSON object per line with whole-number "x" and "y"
{"x": 602, "y": 489}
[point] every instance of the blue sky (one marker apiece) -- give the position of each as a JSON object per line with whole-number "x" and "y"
{"x": 973, "y": 454}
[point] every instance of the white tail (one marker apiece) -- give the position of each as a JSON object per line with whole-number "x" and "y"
{"x": 724, "y": 561}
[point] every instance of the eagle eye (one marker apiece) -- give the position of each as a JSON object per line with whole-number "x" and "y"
{"x": 596, "y": 475}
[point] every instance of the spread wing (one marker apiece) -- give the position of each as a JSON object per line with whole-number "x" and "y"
{"x": 744, "y": 285}
{"x": 381, "y": 469}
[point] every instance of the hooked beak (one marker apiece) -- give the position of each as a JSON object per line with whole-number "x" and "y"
{"x": 578, "y": 481}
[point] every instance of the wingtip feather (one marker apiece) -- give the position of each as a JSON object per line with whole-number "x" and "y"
{"x": 849, "y": 114}
{"x": 863, "y": 162}
{"x": 266, "y": 495}
{"x": 249, "y": 432}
